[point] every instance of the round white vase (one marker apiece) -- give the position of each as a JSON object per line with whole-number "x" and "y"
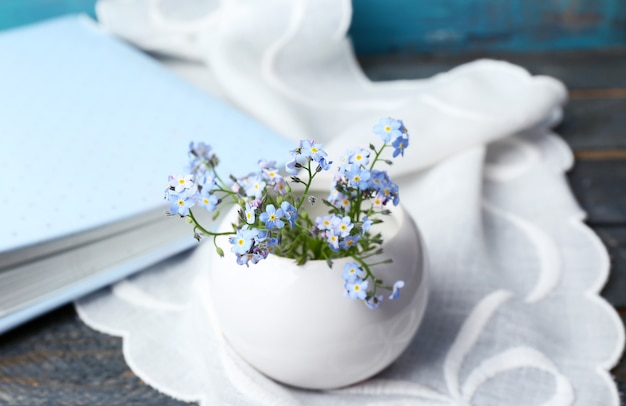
{"x": 294, "y": 323}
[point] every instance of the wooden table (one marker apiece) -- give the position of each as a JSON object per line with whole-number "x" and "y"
{"x": 56, "y": 359}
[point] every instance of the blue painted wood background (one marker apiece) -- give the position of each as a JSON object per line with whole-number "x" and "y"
{"x": 435, "y": 26}
{"x": 453, "y": 26}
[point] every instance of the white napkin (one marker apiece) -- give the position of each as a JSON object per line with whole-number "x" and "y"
{"x": 514, "y": 315}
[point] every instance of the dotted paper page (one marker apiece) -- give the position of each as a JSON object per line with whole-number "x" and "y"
{"x": 91, "y": 128}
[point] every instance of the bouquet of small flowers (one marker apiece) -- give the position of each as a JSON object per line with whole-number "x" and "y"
{"x": 273, "y": 219}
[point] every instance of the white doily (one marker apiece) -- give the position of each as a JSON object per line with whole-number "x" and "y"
{"x": 514, "y": 314}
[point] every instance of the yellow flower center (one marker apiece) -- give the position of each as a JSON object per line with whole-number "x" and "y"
{"x": 387, "y": 128}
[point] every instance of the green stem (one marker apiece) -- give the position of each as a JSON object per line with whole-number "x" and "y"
{"x": 204, "y": 230}
{"x": 307, "y": 186}
{"x": 377, "y": 155}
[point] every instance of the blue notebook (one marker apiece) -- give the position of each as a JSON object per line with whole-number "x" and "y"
{"x": 90, "y": 128}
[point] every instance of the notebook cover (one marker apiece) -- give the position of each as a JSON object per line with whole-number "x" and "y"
{"x": 90, "y": 129}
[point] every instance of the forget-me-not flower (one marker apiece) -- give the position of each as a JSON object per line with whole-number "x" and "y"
{"x": 243, "y": 240}
{"x": 180, "y": 203}
{"x": 181, "y": 182}
{"x": 290, "y": 213}
{"x": 208, "y": 200}
{"x": 250, "y": 214}
{"x": 400, "y": 145}
{"x": 396, "y": 290}
{"x": 352, "y": 271}
{"x": 374, "y": 301}
{"x": 272, "y": 217}
{"x": 356, "y": 289}
{"x": 389, "y": 129}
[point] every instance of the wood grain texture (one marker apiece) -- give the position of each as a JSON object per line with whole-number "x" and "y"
{"x": 614, "y": 238}
{"x": 57, "y": 360}
{"x": 15, "y": 13}
{"x": 599, "y": 188}
{"x": 453, "y": 26}
{"x": 440, "y": 27}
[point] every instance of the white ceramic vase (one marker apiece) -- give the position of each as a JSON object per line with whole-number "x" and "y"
{"x": 294, "y": 323}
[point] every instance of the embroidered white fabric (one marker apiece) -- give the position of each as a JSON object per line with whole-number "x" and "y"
{"x": 514, "y": 314}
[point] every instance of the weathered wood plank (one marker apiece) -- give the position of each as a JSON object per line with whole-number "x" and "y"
{"x": 619, "y": 372}
{"x": 14, "y": 13}
{"x": 56, "y": 359}
{"x": 450, "y": 26}
{"x": 594, "y": 124}
{"x": 578, "y": 70}
{"x": 615, "y": 289}
{"x": 599, "y": 189}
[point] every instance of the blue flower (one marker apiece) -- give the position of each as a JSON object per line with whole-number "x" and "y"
{"x": 325, "y": 164}
{"x": 279, "y": 186}
{"x": 396, "y": 290}
{"x": 346, "y": 160}
{"x": 378, "y": 201}
{"x": 400, "y": 145}
{"x": 378, "y": 179}
{"x": 324, "y": 222}
{"x": 250, "y": 214}
{"x": 200, "y": 156}
{"x": 208, "y": 180}
{"x": 333, "y": 240}
{"x": 361, "y": 157}
{"x": 358, "y": 176}
{"x": 344, "y": 202}
{"x": 243, "y": 259}
{"x": 263, "y": 164}
{"x": 356, "y": 289}
{"x": 312, "y": 150}
{"x": 271, "y": 244}
{"x": 272, "y": 217}
{"x": 261, "y": 236}
{"x": 242, "y": 241}
{"x": 391, "y": 193}
{"x": 367, "y": 224}
{"x": 200, "y": 150}
{"x": 342, "y": 226}
{"x": 352, "y": 271}
{"x": 254, "y": 186}
{"x": 290, "y": 213}
{"x": 349, "y": 242}
{"x": 180, "y": 203}
{"x": 374, "y": 301}
{"x": 389, "y": 129}
{"x": 180, "y": 182}
{"x": 272, "y": 175}
{"x": 208, "y": 200}
{"x": 292, "y": 167}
